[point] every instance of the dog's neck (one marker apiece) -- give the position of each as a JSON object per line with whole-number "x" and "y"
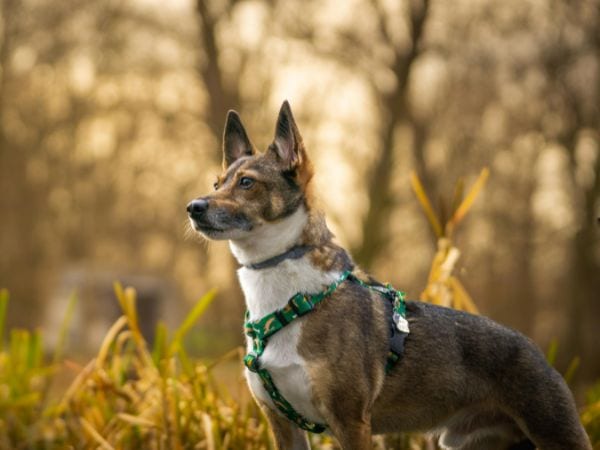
{"x": 269, "y": 289}
{"x": 271, "y": 239}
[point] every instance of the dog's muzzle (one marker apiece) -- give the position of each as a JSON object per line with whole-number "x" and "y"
{"x": 213, "y": 221}
{"x": 197, "y": 208}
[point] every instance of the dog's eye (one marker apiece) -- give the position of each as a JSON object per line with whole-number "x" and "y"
{"x": 246, "y": 182}
{"x": 216, "y": 185}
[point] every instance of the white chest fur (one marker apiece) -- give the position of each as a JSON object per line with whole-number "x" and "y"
{"x": 265, "y": 291}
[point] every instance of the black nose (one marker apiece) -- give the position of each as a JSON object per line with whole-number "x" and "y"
{"x": 197, "y": 207}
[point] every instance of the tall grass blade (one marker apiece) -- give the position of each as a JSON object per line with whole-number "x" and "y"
{"x": 118, "y": 287}
{"x": 64, "y": 328}
{"x": 110, "y": 337}
{"x": 552, "y": 352}
{"x": 89, "y": 428}
{"x": 459, "y": 192}
{"x": 3, "y": 308}
{"x": 425, "y": 204}
{"x": 186, "y": 363}
{"x": 160, "y": 346}
{"x": 573, "y": 366}
{"x": 466, "y": 204}
{"x": 191, "y": 319}
{"x": 34, "y": 351}
{"x": 131, "y": 311}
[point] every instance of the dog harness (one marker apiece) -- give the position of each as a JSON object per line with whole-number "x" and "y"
{"x": 301, "y": 304}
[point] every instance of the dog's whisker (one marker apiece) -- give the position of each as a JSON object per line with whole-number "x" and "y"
{"x": 188, "y": 231}
{"x": 189, "y": 234}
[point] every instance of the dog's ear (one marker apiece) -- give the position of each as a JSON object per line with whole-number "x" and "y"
{"x": 235, "y": 140}
{"x": 287, "y": 145}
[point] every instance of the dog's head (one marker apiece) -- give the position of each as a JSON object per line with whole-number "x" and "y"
{"x": 254, "y": 189}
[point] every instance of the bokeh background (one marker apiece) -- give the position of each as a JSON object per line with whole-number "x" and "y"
{"x": 111, "y": 114}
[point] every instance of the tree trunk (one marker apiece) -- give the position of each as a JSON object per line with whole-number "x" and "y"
{"x": 584, "y": 296}
{"x": 394, "y": 111}
{"x": 20, "y": 257}
{"x": 220, "y": 97}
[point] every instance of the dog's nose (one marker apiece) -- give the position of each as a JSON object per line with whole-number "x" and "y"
{"x": 197, "y": 207}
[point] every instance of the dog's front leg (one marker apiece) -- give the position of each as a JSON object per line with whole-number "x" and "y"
{"x": 345, "y": 400}
{"x": 287, "y": 435}
{"x": 346, "y": 409}
{"x": 352, "y": 434}
{"x": 346, "y": 413}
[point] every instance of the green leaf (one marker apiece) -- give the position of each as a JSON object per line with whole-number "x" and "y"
{"x": 191, "y": 319}
{"x": 3, "y": 308}
{"x": 34, "y": 351}
{"x": 64, "y": 328}
{"x": 573, "y": 366}
{"x": 159, "y": 349}
{"x": 551, "y": 352}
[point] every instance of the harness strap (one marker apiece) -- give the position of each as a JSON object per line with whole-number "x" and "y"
{"x": 398, "y": 323}
{"x": 299, "y": 305}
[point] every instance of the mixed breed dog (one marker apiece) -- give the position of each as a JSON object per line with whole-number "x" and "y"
{"x": 330, "y": 348}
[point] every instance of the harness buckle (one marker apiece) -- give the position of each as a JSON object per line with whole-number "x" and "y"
{"x": 281, "y": 317}
{"x": 302, "y": 304}
{"x": 251, "y": 362}
{"x": 248, "y": 330}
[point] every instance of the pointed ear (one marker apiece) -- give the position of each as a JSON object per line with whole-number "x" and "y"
{"x": 235, "y": 140}
{"x": 287, "y": 144}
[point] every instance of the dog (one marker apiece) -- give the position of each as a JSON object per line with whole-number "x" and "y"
{"x": 474, "y": 383}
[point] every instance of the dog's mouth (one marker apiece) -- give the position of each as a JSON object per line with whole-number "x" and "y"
{"x": 206, "y": 228}
{"x": 220, "y": 224}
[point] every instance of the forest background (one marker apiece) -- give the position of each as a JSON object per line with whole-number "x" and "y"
{"x": 111, "y": 114}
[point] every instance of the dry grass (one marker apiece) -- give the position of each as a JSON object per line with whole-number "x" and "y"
{"x": 129, "y": 396}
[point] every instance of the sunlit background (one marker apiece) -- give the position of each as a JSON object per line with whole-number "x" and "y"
{"x": 111, "y": 114}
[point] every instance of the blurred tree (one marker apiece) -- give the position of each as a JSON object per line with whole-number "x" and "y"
{"x": 517, "y": 79}
{"x": 18, "y": 258}
{"x": 572, "y": 61}
{"x": 22, "y": 201}
{"x": 234, "y": 72}
{"x": 231, "y": 74}
{"x": 395, "y": 111}
{"x": 222, "y": 96}
{"x": 74, "y": 116}
{"x": 383, "y": 47}
{"x": 111, "y": 117}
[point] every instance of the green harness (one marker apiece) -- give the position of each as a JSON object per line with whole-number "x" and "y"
{"x": 300, "y": 304}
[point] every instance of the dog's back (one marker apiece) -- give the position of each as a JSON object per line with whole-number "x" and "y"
{"x": 470, "y": 378}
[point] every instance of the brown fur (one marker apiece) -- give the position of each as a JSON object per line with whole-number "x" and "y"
{"x": 287, "y": 435}
{"x": 459, "y": 373}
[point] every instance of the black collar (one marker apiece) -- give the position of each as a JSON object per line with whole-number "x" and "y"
{"x": 295, "y": 252}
